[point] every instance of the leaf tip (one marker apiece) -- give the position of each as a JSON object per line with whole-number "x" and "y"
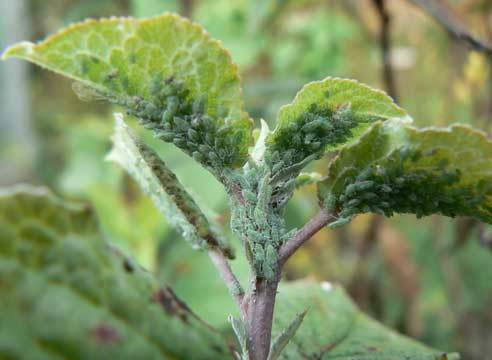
{"x": 19, "y": 50}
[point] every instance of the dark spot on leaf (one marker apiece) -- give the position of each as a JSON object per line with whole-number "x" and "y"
{"x": 105, "y": 334}
{"x": 132, "y": 58}
{"x": 171, "y": 303}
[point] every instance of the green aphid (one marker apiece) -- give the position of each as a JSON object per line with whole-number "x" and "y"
{"x": 330, "y": 202}
{"x": 204, "y": 149}
{"x": 193, "y": 135}
{"x": 309, "y": 138}
{"x": 340, "y": 222}
{"x": 198, "y": 106}
{"x": 150, "y": 110}
{"x": 165, "y": 136}
{"x": 353, "y": 203}
{"x": 313, "y": 126}
{"x": 180, "y": 123}
{"x": 368, "y": 196}
{"x": 350, "y": 189}
{"x": 254, "y": 236}
{"x": 277, "y": 166}
{"x": 249, "y": 196}
{"x": 386, "y": 188}
{"x": 180, "y": 142}
{"x": 198, "y": 156}
{"x": 364, "y": 185}
{"x": 268, "y": 272}
{"x": 259, "y": 252}
{"x": 384, "y": 204}
{"x": 213, "y": 157}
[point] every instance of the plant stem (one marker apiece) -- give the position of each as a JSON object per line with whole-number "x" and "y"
{"x": 260, "y": 317}
{"x": 320, "y": 220}
{"x": 225, "y": 271}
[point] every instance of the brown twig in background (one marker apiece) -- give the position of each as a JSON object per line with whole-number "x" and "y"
{"x": 186, "y": 8}
{"x": 385, "y": 47}
{"x": 444, "y": 15}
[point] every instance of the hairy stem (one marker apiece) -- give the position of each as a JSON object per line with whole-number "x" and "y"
{"x": 319, "y": 221}
{"x": 260, "y": 317}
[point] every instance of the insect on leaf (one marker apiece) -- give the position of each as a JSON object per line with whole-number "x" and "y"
{"x": 164, "y": 188}
{"x": 397, "y": 168}
{"x": 326, "y": 115}
{"x": 164, "y": 70}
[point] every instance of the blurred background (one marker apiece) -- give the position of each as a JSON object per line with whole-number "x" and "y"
{"x": 429, "y": 278}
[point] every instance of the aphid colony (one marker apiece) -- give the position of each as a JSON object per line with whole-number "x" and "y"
{"x": 394, "y": 184}
{"x": 306, "y": 138}
{"x": 201, "y": 234}
{"x": 174, "y": 116}
{"x": 258, "y": 219}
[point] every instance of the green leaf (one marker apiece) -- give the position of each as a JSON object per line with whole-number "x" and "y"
{"x": 241, "y": 335}
{"x": 281, "y": 341}
{"x": 325, "y": 115}
{"x": 396, "y": 168}
{"x": 67, "y": 294}
{"x": 164, "y": 188}
{"x": 164, "y": 70}
{"x": 334, "y": 328}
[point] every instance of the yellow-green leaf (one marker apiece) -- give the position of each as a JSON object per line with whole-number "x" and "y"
{"x": 396, "y": 168}
{"x": 325, "y": 115}
{"x": 165, "y": 70}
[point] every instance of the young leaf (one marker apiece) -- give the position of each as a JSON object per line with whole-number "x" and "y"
{"x": 285, "y": 336}
{"x": 396, "y": 168}
{"x": 326, "y": 115}
{"x": 163, "y": 187}
{"x": 166, "y": 71}
{"x": 67, "y": 295}
{"x": 334, "y": 328}
{"x": 241, "y": 335}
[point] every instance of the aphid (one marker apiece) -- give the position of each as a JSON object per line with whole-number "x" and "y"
{"x": 338, "y": 223}
{"x": 87, "y": 93}
{"x": 198, "y": 156}
{"x": 179, "y": 142}
{"x": 193, "y": 135}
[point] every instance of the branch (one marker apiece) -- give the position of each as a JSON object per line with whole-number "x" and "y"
{"x": 319, "y": 221}
{"x": 443, "y": 14}
{"x": 385, "y": 46}
{"x": 225, "y": 271}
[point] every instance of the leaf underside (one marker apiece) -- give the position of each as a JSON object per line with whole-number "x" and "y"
{"x": 334, "y": 328}
{"x": 396, "y": 168}
{"x": 164, "y": 188}
{"x": 325, "y": 115}
{"x": 164, "y": 70}
{"x": 66, "y": 294}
